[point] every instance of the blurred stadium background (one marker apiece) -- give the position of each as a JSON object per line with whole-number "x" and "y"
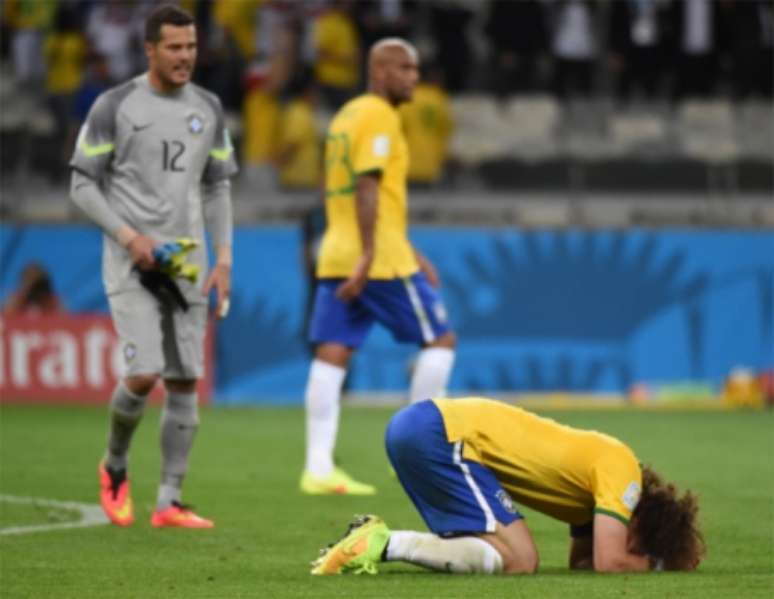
{"x": 593, "y": 179}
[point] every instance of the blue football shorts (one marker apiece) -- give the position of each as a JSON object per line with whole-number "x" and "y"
{"x": 454, "y": 496}
{"x": 410, "y": 308}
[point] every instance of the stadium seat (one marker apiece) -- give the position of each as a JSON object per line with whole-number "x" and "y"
{"x": 584, "y": 136}
{"x": 478, "y": 130}
{"x": 707, "y": 133}
{"x": 755, "y": 130}
{"x": 12, "y": 116}
{"x": 583, "y": 139}
{"x": 641, "y": 131}
{"x": 529, "y": 126}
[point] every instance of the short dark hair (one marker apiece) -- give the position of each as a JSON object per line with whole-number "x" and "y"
{"x": 165, "y": 15}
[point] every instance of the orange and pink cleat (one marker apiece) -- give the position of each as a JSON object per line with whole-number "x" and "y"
{"x": 178, "y": 515}
{"x": 114, "y": 496}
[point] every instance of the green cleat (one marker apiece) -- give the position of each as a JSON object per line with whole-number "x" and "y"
{"x": 337, "y": 482}
{"x": 359, "y": 550}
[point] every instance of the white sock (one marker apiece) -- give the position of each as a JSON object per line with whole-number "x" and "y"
{"x": 323, "y": 391}
{"x": 461, "y": 555}
{"x": 431, "y": 373}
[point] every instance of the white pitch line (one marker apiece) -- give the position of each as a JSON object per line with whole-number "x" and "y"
{"x": 91, "y": 515}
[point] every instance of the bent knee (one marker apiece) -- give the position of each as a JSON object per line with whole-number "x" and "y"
{"x": 522, "y": 564}
{"x": 333, "y": 353}
{"x": 141, "y": 384}
{"x": 180, "y": 385}
{"x": 448, "y": 340}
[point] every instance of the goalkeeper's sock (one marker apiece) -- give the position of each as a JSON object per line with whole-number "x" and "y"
{"x": 126, "y": 409}
{"x": 461, "y": 555}
{"x": 431, "y": 373}
{"x": 179, "y": 423}
{"x": 323, "y": 391}
{"x": 169, "y": 494}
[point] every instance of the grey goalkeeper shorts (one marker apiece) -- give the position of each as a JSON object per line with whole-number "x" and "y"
{"x": 158, "y": 340}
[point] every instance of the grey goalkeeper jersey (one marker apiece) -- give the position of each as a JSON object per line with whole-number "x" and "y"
{"x": 152, "y": 155}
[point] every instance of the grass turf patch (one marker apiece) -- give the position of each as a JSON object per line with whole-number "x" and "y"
{"x": 244, "y": 475}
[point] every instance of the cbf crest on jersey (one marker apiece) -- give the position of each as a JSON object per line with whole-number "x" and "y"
{"x": 195, "y": 123}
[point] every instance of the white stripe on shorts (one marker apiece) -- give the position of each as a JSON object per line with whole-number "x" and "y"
{"x": 488, "y": 514}
{"x": 419, "y": 311}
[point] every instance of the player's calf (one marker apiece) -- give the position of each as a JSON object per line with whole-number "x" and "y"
{"x": 515, "y": 545}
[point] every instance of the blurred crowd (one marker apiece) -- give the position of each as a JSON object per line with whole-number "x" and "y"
{"x": 281, "y": 66}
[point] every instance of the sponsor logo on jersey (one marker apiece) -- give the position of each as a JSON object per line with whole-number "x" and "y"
{"x": 195, "y": 124}
{"x": 631, "y": 496}
{"x": 506, "y": 501}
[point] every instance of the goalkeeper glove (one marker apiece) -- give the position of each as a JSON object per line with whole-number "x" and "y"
{"x": 171, "y": 257}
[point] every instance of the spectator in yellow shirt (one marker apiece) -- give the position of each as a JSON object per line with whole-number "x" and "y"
{"x": 65, "y": 52}
{"x": 299, "y": 153}
{"x": 427, "y": 125}
{"x": 337, "y": 46}
{"x": 28, "y": 20}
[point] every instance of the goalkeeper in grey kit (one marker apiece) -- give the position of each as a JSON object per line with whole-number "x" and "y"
{"x": 151, "y": 168}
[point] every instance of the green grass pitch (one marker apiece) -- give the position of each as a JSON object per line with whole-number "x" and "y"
{"x": 244, "y": 475}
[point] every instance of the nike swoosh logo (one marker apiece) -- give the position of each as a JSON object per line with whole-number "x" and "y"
{"x": 141, "y": 127}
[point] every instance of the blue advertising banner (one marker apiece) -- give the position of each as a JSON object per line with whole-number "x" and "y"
{"x": 533, "y": 311}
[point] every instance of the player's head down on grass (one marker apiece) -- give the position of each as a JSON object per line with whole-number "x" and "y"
{"x": 665, "y": 524}
{"x": 470, "y": 464}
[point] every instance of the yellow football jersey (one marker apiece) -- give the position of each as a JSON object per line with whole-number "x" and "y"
{"x": 365, "y": 137}
{"x": 298, "y": 129}
{"x": 260, "y": 118}
{"x": 338, "y": 50}
{"x": 65, "y": 54}
{"x": 564, "y": 472}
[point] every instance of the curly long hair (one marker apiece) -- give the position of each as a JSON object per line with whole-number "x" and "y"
{"x": 665, "y": 524}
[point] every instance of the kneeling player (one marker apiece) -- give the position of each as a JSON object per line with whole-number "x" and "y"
{"x": 462, "y": 461}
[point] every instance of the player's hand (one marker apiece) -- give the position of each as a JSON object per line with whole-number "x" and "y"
{"x": 220, "y": 279}
{"x": 140, "y": 248}
{"x": 353, "y": 286}
{"x": 427, "y": 267}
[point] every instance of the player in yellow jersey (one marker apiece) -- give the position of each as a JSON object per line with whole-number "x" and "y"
{"x": 367, "y": 270}
{"x": 464, "y": 462}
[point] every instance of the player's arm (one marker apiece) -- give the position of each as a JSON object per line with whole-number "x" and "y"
{"x": 87, "y": 195}
{"x": 610, "y": 547}
{"x": 371, "y": 146}
{"x": 218, "y": 211}
{"x": 218, "y": 217}
{"x": 582, "y": 547}
{"x": 427, "y": 267}
{"x": 91, "y": 158}
{"x": 366, "y": 203}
